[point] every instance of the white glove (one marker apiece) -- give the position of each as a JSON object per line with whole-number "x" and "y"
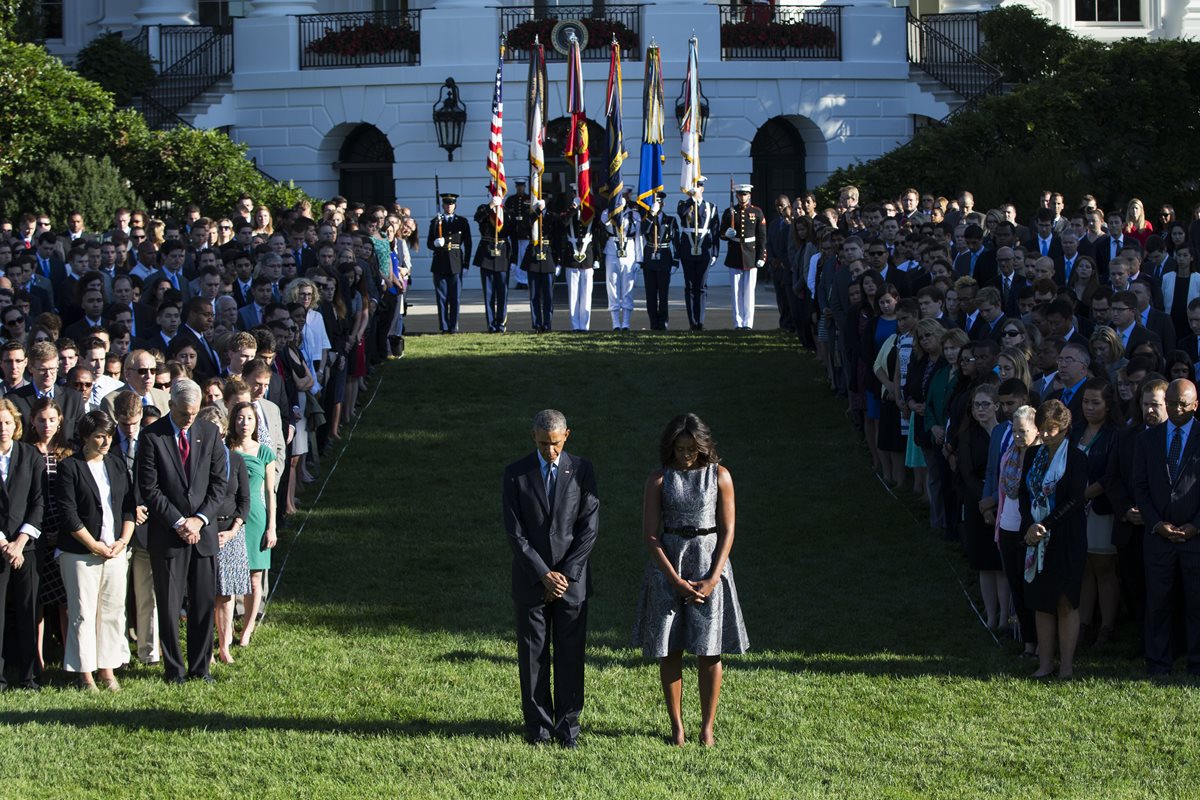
{"x": 538, "y": 205}
{"x": 557, "y": 270}
{"x": 575, "y": 202}
{"x": 712, "y": 261}
{"x": 691, "y": 192}
{"x": 760, "y": 263}
{"x": 674, "y": 269}
{"x": 497, "y": 202}
{"x": 439, "y": 242}
{"x": 731, "y": 234}
{"x": 595, "y": 265}
{"x": 654, "y": 209}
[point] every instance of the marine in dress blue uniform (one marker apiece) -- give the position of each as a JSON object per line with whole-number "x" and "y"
{"x": 493, "y": 261}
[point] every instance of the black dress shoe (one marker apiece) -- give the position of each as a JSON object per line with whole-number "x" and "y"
{"x": 177, "y": 681}
{"x": 205, "y": 678}
{"x": 31, "y": 686}
{"x": 569, "y": 743}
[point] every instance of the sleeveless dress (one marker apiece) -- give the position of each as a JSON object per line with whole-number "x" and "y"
{"x": 258, "y": 556}
{"x": 664, "y": 623}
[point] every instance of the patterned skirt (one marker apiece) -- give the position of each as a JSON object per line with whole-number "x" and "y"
{"x": 666, "y": 625}
{"x": 50, "y": 586}
{"x": 233, "y": 573}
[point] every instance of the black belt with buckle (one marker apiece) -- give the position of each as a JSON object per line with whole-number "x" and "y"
{"x": 689, "y": 533}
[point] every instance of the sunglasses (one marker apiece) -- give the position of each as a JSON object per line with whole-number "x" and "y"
{"x": 1011, "y": 333}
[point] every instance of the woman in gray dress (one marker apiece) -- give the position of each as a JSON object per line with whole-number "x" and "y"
{"x": 688, "y": 599}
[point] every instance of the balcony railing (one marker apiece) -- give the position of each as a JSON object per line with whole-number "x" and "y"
{"x": 368, "y": 39}
{"x": 762, "y": 32}
{"x": 950, "y": 62}
{"x": 602, "y": 21}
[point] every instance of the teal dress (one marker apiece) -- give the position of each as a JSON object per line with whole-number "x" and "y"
{"x": 257, "y": 554}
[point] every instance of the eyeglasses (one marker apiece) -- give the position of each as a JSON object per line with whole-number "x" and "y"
{"x": 144, "y": 370}
{"x": 1120, "y": 308}
{"x": 17, "y": 321}
{"x": 1067, "y": 360}
{"x": 1011, "y": 333}
{"x": 225, "y": 227}
{"x": 981, "y": 404}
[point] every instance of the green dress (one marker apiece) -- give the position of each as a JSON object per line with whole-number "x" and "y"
{"x": 257, "y": 554}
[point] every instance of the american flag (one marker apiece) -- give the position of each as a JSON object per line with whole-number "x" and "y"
{"x": 577, "y": 142}
{"x": 498, "y": 186}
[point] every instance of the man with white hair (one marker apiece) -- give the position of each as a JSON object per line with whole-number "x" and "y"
{"x": 180, "y": 467}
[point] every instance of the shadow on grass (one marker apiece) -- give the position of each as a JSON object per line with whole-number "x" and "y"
{"x": 169, "y": 721}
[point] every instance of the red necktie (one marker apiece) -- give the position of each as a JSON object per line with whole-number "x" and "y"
{"x": 185, "y": 448}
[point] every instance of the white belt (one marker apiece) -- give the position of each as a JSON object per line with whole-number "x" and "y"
{"x": 747, "y": 241}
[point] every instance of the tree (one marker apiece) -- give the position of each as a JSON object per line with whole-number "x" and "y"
{"x": 57, "y": 186}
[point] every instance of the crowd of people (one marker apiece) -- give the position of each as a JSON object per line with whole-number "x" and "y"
{"x": 165, "y": 386}
{"x": 1034, "y": 386}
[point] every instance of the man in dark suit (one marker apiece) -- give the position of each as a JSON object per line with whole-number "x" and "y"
{"x": 450, "y": 242}
{"x": 1044, "y": 241}
{"x": 180, "y": 467}
{"x": 1073, "y": 362}
{"x": 172, "y": 254}
{"x": 199, "y": 320}
{"x": 141, "y": 315}
{"x": 1109, "y": 245}
{"x": 1166, "y": 484}
{"x": 1124, "y": 317}
{"x": 989, "y": 324}
{"x": 1128, "y": 524}
{"x": 1157, "y": 322}
{"x": 977, "y": 262}
{"x": 43, "y": 370}
{"x": 551, "y": 517}
{"x": 1008, "y": 282}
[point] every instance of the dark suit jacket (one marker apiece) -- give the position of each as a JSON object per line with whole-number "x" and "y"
{"x": 79, "y": 500}
{"x": 21, "y": 501}
{"x": 248, "y": 317}
{"x": 985, "y": 266}
{"x": 1139, "y": 334}
{"x": 236, "y": 502}
{"x": 69, "y": 400}
{"x": 1034, "y": 245}
{"x": 241, "y": 297}
{"x": 1161, "y": 325}
{"x": 1118, "y": 485}
{"x": 543, "y": 542}
{"x": 1010, "y": 303}
{"x": 143, "y": 318}
{"x": 170, "y": 494}
{"x": 77, "y": 331}
{"x": 1076, "y": 404}
{"x": 1102, "y": 250}
{"x": 1157, "y": 497}
{"x": 206, "y": 367}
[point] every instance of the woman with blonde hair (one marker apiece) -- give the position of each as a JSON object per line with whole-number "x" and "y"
{"x": 1136, "y": 224}
{"x": 1107, "y": 352}
{"x": 1012, "y": 363}
{"x": 261, "y": 221}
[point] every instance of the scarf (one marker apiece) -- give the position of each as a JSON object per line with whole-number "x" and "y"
{"x": 1043, "y": 479}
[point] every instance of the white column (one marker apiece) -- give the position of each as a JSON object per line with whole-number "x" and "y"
{"x": 281, "y": 8}
{"x": 166, "y": 12}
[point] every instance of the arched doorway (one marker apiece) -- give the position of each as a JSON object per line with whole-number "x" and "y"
{"x": 364, "y": 167}
{"x": 778, "y": 156}
{"x": 560, "y": 174}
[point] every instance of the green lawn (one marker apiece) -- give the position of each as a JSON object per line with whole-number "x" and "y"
{"x": 386, "y": 666}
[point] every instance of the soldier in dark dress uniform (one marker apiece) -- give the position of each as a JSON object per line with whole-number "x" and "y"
{"x": 539, "y": 264}
{"x": 658, "y": 237}
{"x": 745, "y": 228}
{"x": 492, "y": 259}
{"x": 517, "y": 218}
{"x": 697, "y": 247}
{"x": 450, "y": 242}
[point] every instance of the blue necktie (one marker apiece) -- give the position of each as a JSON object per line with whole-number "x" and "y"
{"x": 1067, "y": 395}
{"x": 1174, "y": 453}
{"x": 551, "y": 481}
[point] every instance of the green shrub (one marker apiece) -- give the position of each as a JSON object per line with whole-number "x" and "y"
{"x": 58, "y": 185}
{"x": 20, "y": 20}
{"x": 1026, "y": 45}
{"x": 1112, "y": 135}
{"x": 186, "y": 165}
{"x": 116, "y": 65}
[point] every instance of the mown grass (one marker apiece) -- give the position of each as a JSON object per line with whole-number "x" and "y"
{"x": 387, "y": 665}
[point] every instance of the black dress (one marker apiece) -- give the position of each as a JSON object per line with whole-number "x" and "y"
{"x": 978, "y": 538}
{"x": 1066, "y": 552}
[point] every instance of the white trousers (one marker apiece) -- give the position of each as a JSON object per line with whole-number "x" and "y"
{"x": 579, "y": 296}
{"x": 743, "y": 281}
{"x": 619, "y": 276}
{"x": 95, "y": 611}
{"x": 517, "y": 272}
{"x": 147, "y": 609}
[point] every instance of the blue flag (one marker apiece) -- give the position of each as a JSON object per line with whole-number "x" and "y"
{"x": 650, "y": 173}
